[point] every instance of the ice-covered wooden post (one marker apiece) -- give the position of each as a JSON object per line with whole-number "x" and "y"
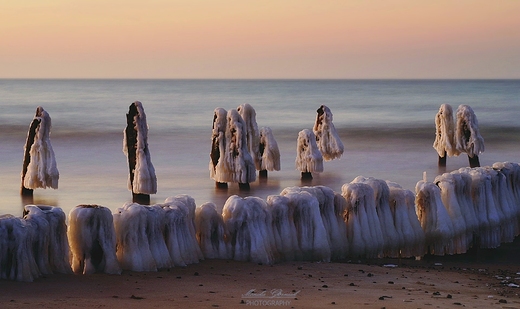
{"x": 218, "y": 167}
{"x": 240, "y": 162}
{"x": 142, "y": 180}
{"x": 327, "y": 138}
{"x": 39, "y": 165}
{"x": 269, "y": 152}
{"x": 444, "y": 142}
{"x": 248, "y": 114}
{"x": 468, "y": 136}
{"x": 308, "y": 156}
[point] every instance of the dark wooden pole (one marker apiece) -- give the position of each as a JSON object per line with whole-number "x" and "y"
{"x": 27, "y": 156}
{"x": 442, "y": 160}
{"x": 474, "y": 162}
{"x": 306, "y": 176}
{"x": 131, "y": 143}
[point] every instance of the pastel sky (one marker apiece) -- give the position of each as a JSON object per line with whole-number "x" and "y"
{"x": 259, "y": 39}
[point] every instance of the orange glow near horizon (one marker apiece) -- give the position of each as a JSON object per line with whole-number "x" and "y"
{"x": 260, "y": 39}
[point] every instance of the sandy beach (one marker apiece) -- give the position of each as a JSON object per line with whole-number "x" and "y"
{"x": 479, "y": 279}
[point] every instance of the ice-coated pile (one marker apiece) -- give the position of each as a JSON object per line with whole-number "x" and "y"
{"x": 467, "y": 134}
{"x": 144, "y": 179}
{"x": 444, "y": 142}
{"x": 327, "y": 137}
{"x": 42, "y": 171}
{"x": 270, "y": 154}
{"x": 308, "y": 157}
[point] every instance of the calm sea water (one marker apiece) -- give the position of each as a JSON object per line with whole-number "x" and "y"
{"x": 387, "y": 127}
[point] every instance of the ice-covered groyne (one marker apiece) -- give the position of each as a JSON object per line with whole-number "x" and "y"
{"x": 369, "y": 218}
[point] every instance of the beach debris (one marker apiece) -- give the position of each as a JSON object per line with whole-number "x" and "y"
{"x": 327, "y": 138}
{"x": 142, "y": 180}
{"x": 308, "y": 157}
{"x": 39, "y": 165}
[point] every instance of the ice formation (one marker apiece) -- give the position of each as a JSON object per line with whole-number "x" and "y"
{"x": 40, "y": 169}
{"x": 250, "y": 229}
{"x": 238, "y": 159}
{"x": 467, "y": 207}
{"x": 444, "y": 142}
{"x": 434, "y": 219}
{"x": 188, "y": 203}
{"x": 248, "y": 113}
{"x": 461, "y": 240}
{"x": 142, "y": 178}
{"x": 133, "y": 247}
{"x": 180, "y": 236}
{"x": 337, "y": 240}
{"x": 284, "y": 230}
{"x": 312, "y": 237}
{"x": 467, "y": 133}
{"x": 17, "y": 261}
{"x": 218, "y": 165}
{"x": 365, "y": 237}
{"x": 50, "y": 234}
{"x": 327, "y": 138}
{"x": 308, "y": 157}
{"x": 269, "y": 152}
{"x": 212, "y": 234}
{"x": 406, "y": 221}
{"x": 92, "y": 240}
{"x": 393, "y": 239}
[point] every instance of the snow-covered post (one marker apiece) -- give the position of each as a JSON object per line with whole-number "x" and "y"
{"x": 468, "y": 136}
{"x": 269, "y": 152}
{"x": 327, "y": 138}
{"x": 39, "y": 166}
{"x": 308, "y": 157}
{"x": 444, "y": 142}
{"x": 240, "y": 162}
{"x": 142, "y": 180}
{"x": 218, "y": 167}
{"x": 248, "y": 113}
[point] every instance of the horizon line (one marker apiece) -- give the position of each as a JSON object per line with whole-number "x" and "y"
{"x": 258, "y": 79}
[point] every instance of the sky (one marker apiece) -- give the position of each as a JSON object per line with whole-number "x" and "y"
{"x": 309, "y": 39}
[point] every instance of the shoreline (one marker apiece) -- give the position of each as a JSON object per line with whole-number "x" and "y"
{"x": 478, "y": 279}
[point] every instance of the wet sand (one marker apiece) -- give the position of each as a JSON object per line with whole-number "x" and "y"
{"x": 479, "y": 279}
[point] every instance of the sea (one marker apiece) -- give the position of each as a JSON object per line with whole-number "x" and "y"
{"x": 386, "y": 126}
